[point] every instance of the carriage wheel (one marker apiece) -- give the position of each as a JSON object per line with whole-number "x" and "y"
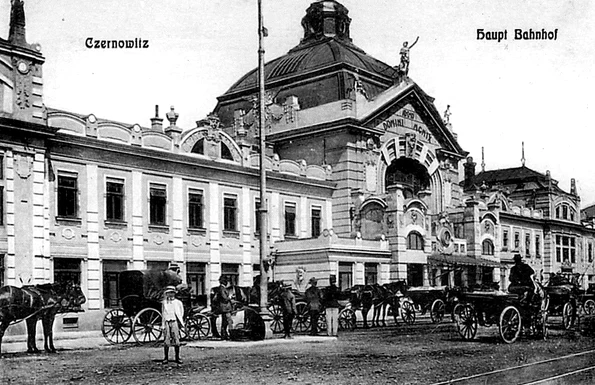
{"x": 568, "y": 315}
{"x": 301, "y": 321}
{"x": 116, "y": 327}
{"x": 589, "y": 307}
{"x": 510, "y": 324}
{"x": 277, "y": 315}
{"x": 437, "y": 310}
{"x": 198, "y": 327}
{"x": 466, "y": 320}
{"x": 322, "y": 321}
{"x": 347, "y": 319}
{"x": 408, "y": 312}
{"x": 146, "y": 326}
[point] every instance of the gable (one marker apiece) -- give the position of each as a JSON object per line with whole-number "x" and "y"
{"x": 406, "y": 121}
{"x": 410, "y": 112}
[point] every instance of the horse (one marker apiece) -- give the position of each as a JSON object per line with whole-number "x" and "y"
{"x": 362, "y": 298}
{"x": 34, "y": 302}
{"x": 385, "y": 295}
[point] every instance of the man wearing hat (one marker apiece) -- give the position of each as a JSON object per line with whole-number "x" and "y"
{"x": 522, "y": 279}
{"x": 172, "y": 312}
{"x": 331, "y": 304}
{"x": 221, "y": 304}
{"x": 289, "y": 309}
{"x": 314, "y": 297}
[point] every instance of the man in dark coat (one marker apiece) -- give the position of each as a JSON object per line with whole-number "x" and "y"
{"x": 314, "y": 297}
{"x": 289, "y": 309}
{"x": 221, "y": 304}
{"x": 522, "y": 279}
{"x": 331, "y": 304}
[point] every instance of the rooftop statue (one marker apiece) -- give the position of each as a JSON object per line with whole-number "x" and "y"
{"x": 403, "y": 68}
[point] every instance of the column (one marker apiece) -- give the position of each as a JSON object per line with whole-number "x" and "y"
{"x": 93, "y": 265}
{"x": 140, "y": 201}
{"x": 247, "y": 212}
{"x": 214, "y": 233}
{"x": 178, "y": 211}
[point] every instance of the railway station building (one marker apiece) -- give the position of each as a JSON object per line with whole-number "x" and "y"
{"x": 366, "y": 181}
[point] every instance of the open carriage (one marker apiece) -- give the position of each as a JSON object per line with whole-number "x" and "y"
{"x": 140, "y": 314}
{"x": 509, "y": 312}
{"x": 564, "y": 297}
{"x": 432, "y": 300}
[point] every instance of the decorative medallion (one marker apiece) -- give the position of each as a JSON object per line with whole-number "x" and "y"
{"x": 196, "y": 241}
{"x": 23, "y": 165}
{"x": 158, "y": 239}
{"x": 115, "y": 236}
{"x": 68, "y": 233}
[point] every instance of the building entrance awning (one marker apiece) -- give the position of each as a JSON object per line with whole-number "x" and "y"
{"x": 444, "y": 259}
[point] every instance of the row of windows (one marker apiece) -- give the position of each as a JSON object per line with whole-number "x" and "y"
{"x": 566, "y": 212}
{"x": 115, "y": 210}
{"x": 517, "y": 242}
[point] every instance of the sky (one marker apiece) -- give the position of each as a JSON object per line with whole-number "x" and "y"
{"x": 501, "y": 93}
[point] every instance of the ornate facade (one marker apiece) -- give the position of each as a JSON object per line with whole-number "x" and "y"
{"x": 366, "y": 181}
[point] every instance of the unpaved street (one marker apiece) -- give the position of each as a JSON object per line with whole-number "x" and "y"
{"x": 418, "y": 354}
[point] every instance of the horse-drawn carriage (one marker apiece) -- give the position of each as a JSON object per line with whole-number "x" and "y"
{"x": 140, "y": 314}
{"x": 434, "y": 300}
{"x": 511, "y": 312}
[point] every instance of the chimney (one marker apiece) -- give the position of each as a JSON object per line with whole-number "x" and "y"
{"x": 573, "y": 186}
{"x": 157, "y": 122}
{"x": 16, "y": 33}
{"x": 469, "y": 167}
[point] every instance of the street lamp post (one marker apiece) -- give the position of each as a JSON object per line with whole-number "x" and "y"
{"x": 264, "y": 313}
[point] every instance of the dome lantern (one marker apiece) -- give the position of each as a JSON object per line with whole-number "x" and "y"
{"x": 326, "y": 19}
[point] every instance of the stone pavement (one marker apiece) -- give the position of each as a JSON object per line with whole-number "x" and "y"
{"x": 94, "y": 340}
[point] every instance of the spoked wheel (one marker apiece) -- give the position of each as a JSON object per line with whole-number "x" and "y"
{"x": 322, "y": 322}
{"x": 198, "y": 327}
{"x": 510, "y": 324}
{"x": 347, "y": 319}
{"x": 146, "y": 326}
{"x": 437, "y": 310}
{"x": 589, "y": 307}
{"x": 116, "y": 327}
{"x": 301, "y": 322}
{"x": 408, "y": 312}
{"x": 277, "y": 315}
{"x": 568, "y": 315}
{"x": 466, "y": 320}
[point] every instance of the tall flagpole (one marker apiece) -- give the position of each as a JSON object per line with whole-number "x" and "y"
{"x": 263, "y": 200}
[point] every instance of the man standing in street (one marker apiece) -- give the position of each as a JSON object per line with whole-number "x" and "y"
{"x": 313, "y": 297}
{"x": 221, "y": 304}
{"x": 289, "y": 309}
{"x": 331, "y": 305}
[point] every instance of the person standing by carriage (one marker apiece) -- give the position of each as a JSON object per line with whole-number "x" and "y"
{"x": 289, "y": 309}
{"x": 331, "y": 304}
{"x": 314, "y": 297}
{"x": 221, "y": 304}
{"x": 172, "y": 320}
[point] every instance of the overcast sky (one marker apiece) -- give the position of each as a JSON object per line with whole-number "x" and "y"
{"x": 501, "y": 93}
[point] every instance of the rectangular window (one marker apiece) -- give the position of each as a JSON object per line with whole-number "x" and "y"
{"x": 230, "y": 209}
{"x": 157, "y": 204}
{"x": 111, "y": 282}
{"x": 232, "y": 272}
{"x": 67, "y": 270}
{"x": 2, "y": 269}
{"x": 345, "y": 275}
{"x": 315, "y": 221}
{"x": 371, "y": 273}
{"x": 290, "y": 219}
{"x": 565, "y": 249}
{"x": 505, "y": 240}
{"x": 195, "y": 209}
{"x": 67, "y": 196}
{"x": 157, "y": 265}
{"x": 196, "y": 277}
{"x": 527, "y": 244}
{"x": 257, "y": 216}
{"x": 2, "y": 167}
{"x": 590, "y": 252}
{"x": 517, "y": 240}
{"x": 114, "y": 200}
{"x": 537, "y": 246}
{"x": 1, "y": 206}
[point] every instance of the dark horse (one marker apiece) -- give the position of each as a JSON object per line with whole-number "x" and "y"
{"x": 35, "y": 302}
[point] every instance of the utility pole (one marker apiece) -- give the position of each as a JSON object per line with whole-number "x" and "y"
{"x": 264, "y": 260}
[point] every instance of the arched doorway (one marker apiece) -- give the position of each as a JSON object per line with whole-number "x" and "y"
{"x": 408, "y": 172}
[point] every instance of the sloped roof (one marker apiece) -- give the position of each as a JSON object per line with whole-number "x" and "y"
{"x": 523, "y": 178}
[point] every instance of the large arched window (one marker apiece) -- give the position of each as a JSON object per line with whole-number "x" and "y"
{"x": 225, "y": 152}
{"x": 415, "y": 241}
{"x": 487, "y": 247}
{"x": 199, "y": 147}
{"x": 408, "y": 172}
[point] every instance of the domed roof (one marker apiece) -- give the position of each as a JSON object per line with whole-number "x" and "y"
{"x": 326, "y": 47}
